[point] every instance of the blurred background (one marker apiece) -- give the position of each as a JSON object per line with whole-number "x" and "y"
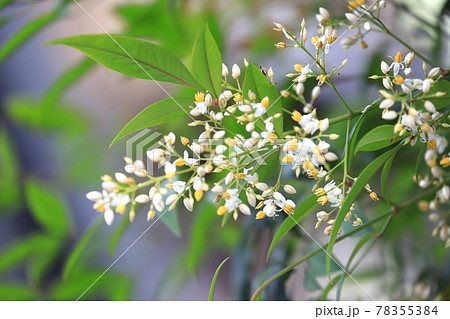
{"x": 59, "y": 112}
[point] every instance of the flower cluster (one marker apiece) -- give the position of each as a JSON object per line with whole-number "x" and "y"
{"x": 408, "y": 101}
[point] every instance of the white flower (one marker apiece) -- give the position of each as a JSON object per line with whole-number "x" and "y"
{"x": 233, "y": 201}
{"x": 259, "y": 109}
{"x": 178, "y": 186}
{"x": 269, "y": 208}
{"x": 235, "y": 71}
{"x": 309, "y": 123}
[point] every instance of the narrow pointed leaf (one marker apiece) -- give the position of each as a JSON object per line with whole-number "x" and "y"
{"x": 75, "y": 255}
{"x": 378, "y": 138}
{"x": 47, "y": 209}
{"x": 360, "y": 183}
{"x": 132, "y": 57}
{"x": 213, "y": 282}
{"x": 207, "y": 62}
{"x": 260, "y": 85}
{"x": 385, "y": 175}
{"x": 303, "y": 209}
{"x": 160, "y": 112}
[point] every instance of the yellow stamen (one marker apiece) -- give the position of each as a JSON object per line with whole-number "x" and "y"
{"x": 308, "y": 165}
{"x": 260, "y": 215}
{"x": 296, "y": 116}
{"x": 398, "y": 79}
{"x": 261, "y": 204}
{"x": 298, "y": 67}
{"x": 445, "y": 161}
{"x": 363, "y": 44}
{"x": 184, "y": 140}
{"x": 226, "y": 195}
{"x": 292, "y": 145}
{"x": 322, "y": 200}
{"x": 315, "y": 39}
{"x": 121, "y": 208}
{"x": 271, "y": 137}
{"x": 221, "y": 210}
{"x": 199, "y": 97}
{"x": 230, "y": 141}
{"x": 398, "y": 57}
{"x": 280, "y": 45}
{"x": 313, "y": 173}
{"x": 241, "y": 175}
{"x": 169, "y": 186}
{"x": 237, "y": 97}
{"x": 431, "y": 144}
{"x": 288, "y": 159}
{"x": 320, "y": 192}
{"x": 288, "y": 209}
{"x": 331, "y": 39}
{"x": 100, "y": 207}
{"x": 198, "y": 194}
{"x": 374, "y": 196}
{"x": 265, "y": 102}
{"x": 179, "y": 162}
{"x": 321, "y": 78}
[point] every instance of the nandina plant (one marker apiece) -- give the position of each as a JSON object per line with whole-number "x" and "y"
{"x": 256, "y": 135}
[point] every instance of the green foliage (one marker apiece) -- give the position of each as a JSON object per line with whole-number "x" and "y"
{"x": 360, "y": 183}
{"x": 378, "y": 138}
{"x": 384, "y": 177}
{"x": 157, "y": 113}
{"x": 207, "y": 62}
{"x": 9, "y": 172}
{"x": 14, "y": 292}
{"x": 132, "y": 57}
{"x": 257, "y": 82}
{"x": 213, "y": 282}
{"x": 75, "y": 255}
{"x": 316, "y": 268}
{"x": 47, "y": 209}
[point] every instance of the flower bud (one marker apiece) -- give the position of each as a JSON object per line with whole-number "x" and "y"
{"x": 324, "y": 124}
{"x": 208, "y": 99}
{"x": 224, "y": 70}
{"x": 384, "y": 67}
{"x": 409, "y": 57}
{"x": 429, "y": 106}
{"x": 289, "y": 189}
{"x": 315, "y": 93}
{"x": 389, "y": 115}
{"x": 387, "y": 103}
{"x": 262, "y": 186}
{"x": 244, "y": 209}
{"x": 94, "y": 196}
{"x": 142, "y": 199}
{"x": 331, "y": 157}
{"x": 433, "y": 72}
{"x": 351, "y": 17}
{"x": 250, "y": 127}
{"x": 426, "y": 85}
{"x": 235, "y": 71}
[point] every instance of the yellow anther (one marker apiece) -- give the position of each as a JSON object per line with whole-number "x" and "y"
{"x": 221, "y": 210}
{"x": 288, "y": 159}
{"x": 331, "y": 39}
{"x": 170, "y": 176}
{"x": 321, "y": 78}
{"x": 374, "y": 196}
{"x": 280, "y": 45}
{"x": 315, "y": 39}
{"x": 179, "y": 162}
{"x": 363, "y": 44}
{"x": 298, "y": 67}
{"x": 241, "y": 175}
{"x": 271, "y": 137}
{"x": 237, "y": 97}
{"x": 398, "y": 57}
{"x": 445, "y": 161}
{"x": 296, "y": 116}
{"x": 120, "y": 208}
{"x": 292, "y": 145}
{"x": 100, "y": 207}
{"x": 265, "y": 102}
{"x": 288, "y": 209}
{"x": 199, "y": 97}
{"x": 319, "y": 192}
{"x": 184, "y": 140}
{"x": 308, "y": 165}
{"x": 230, "y": 141}
{"x": 226, "y": 195}
{"x": 322, "y": 200}
{"x": 169, "y": 186}
{"x": 431, "y": 144}
{"x": 260, "y": 204}
{"x": 398, "y": 79}
{"x": 198, "y": 194}
{"x": 260, "y": 215}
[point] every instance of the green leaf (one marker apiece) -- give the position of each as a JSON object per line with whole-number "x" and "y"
{"x": 360, "y": 183}
{"x": 207, "y": 62}
{"x": 9, "y": 172}
{"x": 170, "y": 219}
{"x": 65, "y": 80}
{"x": 384, "y": 176}
{"x": 160, "y": 112}
{"x": 37, "y": 115}
{"x": 213, "y": 282}
{"x": 9, "y": 292}
{"x": 260, "y": 85}
{"x": 316, "y": 268}
{"x": 43, "y": 257}
{"x": 20, "y": 37}
{"x": 132, "y": 57}
{"x": 16, "y": 253}
{"x": 75, "y": 255}
{"x": 302, "y": 210}
{"x": 378, "y": 138}
{"x": 46, "y": 208}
